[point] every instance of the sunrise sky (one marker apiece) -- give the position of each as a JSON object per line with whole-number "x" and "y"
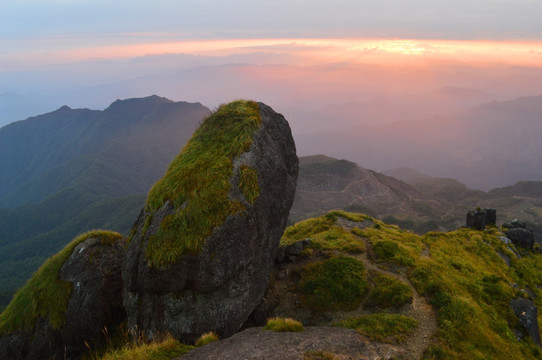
{"x": 57, "y": 31}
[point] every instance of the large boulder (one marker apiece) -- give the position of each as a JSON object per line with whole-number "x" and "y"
{"x": 202, "y": 248}
{"x": 66, "y": 306}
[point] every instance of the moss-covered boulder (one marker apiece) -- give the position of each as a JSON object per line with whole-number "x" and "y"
{"x": 68, "y": 303}
{"x": 203, "y": 246}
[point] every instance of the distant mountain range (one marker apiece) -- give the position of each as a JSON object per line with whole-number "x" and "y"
{"x": 73, "y": 170}
{"x": 492, "y": 145}
{"x": 410, "y": 199}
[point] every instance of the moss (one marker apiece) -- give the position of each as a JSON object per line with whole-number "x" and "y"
{"x": 248, "y": 183}
{"x": 45, "y": 295}
{"x": 197, "y": 183}
{"x": 325, "y": 234}
{"x": 206, "y": 339}
{"x": 335, "y": 284}
{"x": 283, "y": 325}
{"x": 382, "y": 327}
{"x": 389, "y": 292}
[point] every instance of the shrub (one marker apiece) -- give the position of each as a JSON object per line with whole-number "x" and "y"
{"x": 335, "y": 284}
{"x": 389, "y": 292}
{"x": 283, "y": 325}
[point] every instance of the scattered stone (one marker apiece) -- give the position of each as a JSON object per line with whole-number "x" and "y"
{"x": 526, "y": 312}
{"x": 480, "y": 218}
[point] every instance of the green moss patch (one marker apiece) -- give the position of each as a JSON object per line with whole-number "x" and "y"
{"x": 382, "y": 327}
{"x": 283, "y": 325}
{"x": 388, "y": 292}
{"x": 197, "y": 183}
{"x": 338, "y": 283}
{"x": 248, "y": 183}
{"x": 45, "y": 295}
{"x": 325, "y": 233}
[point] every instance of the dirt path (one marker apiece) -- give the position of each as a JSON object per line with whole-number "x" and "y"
{"x": 419, "y": 309}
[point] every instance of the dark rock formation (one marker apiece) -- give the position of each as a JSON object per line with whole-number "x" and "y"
{"x": 527, "y": 312}
{"x": 480, "y": 218}
{"x": 94, "y": 273}
{"x": 217, "y": 287}
{"x": 521, "y": 237}
{"x": 520, "y": 234}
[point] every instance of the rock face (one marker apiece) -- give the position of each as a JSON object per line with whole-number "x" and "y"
{"x": 520, "y": 234}
{"x": 481, "y": 218}
{"x": 527, "y": 312}
{"x": 216, "y": 285}
{"x": 93, "y": 273}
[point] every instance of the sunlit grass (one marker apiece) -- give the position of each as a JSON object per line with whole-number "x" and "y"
{"x": 283, "y": 325}
{"x": 197, "y": 183}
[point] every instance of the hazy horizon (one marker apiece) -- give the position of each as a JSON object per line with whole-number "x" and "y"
{"x": 345, "y": 70}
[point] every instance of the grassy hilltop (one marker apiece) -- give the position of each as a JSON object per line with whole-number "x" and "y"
{"x": 439, "y": 296}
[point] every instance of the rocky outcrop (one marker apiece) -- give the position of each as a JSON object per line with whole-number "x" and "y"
{"x": 90, "y": 278}
{"x": 211, "y": 281}
{"x": 480, "y": 218}
{"x": 526, "y": 313}
{"x": 334, "y": 342}
{"x": 520, "y": 234}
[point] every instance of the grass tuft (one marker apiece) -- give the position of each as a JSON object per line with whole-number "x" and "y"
{"x": 283, "y": 325}
{"x": 382, "y": 327}
{"x": 45, "y": 295}
{"x": 338, "y": 283}
{"x": 206, "y": 339}
{"x": 166, "y": 349}
{"x": 197, "y": 183}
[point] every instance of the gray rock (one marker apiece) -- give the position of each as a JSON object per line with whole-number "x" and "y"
{"x": 480, "y": 218}
{"x": 94, "y": 271}
{"x": 521, "y": 237}
{"x": 217, "y": 288}
{"x": 526, "y": 312}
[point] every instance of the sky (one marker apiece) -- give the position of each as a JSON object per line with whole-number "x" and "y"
{"x": 328, "y": 66}
{"x": 33, "y": 31}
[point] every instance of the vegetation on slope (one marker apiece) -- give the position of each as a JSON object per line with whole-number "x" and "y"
{"x": 382, "y": 327}
{"x": 326, "y": 234}
{"x": 338, "y": 283}
{"x": 45, "y": 295}
{"x": 388, "y": 292}
{"x": 197, "y": 183}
